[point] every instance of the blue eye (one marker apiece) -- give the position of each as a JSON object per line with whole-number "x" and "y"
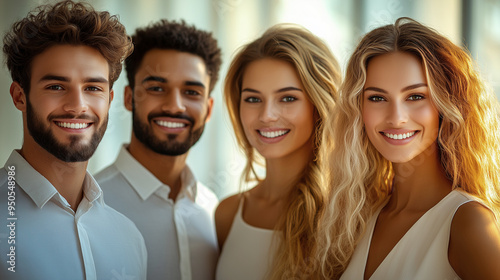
{"x": 252, "y": 100}
{"x": 376, "y": 98}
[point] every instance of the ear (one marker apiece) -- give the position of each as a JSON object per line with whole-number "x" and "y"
{"x": 210, "y": 104}
{"x": 18, "y": 96}
{"x": 127, "y": 98}
{"x": 111, "y": 95}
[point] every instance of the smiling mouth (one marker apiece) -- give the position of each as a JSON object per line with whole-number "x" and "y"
{"x": 170, "y": 124}
{"x": 273, "y": 134}
{"x": 399, "y": 136}
{"x": 73, "y": 125}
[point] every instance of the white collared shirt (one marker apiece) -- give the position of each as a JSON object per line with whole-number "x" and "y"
{"x": 51, "y": 241}
{"x": 180, "y": 236}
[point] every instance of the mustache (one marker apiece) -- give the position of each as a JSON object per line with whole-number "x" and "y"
{"x": 73, "y": 116}
{"x": 167, "y": 115}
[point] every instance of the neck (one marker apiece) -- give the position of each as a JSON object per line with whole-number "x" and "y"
{"x": 165, "y": 168}
{"x": 66, "y": 177}
{"x": 282, "y": 174}
{"x": 421, "y": 182}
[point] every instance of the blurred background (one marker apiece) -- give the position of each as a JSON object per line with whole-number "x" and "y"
{"x": 215, "y": 159}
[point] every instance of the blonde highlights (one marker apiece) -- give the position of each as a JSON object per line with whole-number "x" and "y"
{"x": 320, "y": 75}
{"x": 467, "y": 139}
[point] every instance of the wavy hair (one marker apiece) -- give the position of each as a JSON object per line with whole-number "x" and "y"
{"x": 468, "y": 139}
{"x": 319, "y": 73}
{"x": 68, "y": 23}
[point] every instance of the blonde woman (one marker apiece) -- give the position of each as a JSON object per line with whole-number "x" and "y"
{"x": 278, "y": 90}
{"x": 416, "y": 186}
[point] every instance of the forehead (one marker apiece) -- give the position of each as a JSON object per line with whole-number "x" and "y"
{"x": 73, "y": 62}
{"x": 395, "y": 70}
{"x": 172, "y": 65}
{"x": 272, "y": 74}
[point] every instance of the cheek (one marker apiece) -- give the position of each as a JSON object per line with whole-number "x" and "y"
{"x": 46, "y": 106}
{"x": 100, "y": 103}
{"x": 146, "y": 105}
{"x": 197, "y": 109}
{"x": 430, "y": 116}
{"x": 306, "y": 117}
{"x": 300, "y": 114}
{"x": 139, "y": 95}
{"x": 370, "y": 118}
{"x": 246, "y": 116}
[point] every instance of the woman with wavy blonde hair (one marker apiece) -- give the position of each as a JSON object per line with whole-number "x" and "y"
{"x": 278, "y": 91}
{"x": 416, "y": 186}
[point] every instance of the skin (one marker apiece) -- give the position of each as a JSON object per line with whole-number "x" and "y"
{"x": 391, "y": 101}
{"x": 66, "y": 82}
{"x": 173, "y": 82}
{"x": 272, "y": 99}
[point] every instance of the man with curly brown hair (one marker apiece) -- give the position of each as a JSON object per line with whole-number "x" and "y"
{"x": 63, "y": 59}
{"x": 171, "y": 73}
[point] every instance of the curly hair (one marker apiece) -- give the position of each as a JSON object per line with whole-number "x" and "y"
{"x": 319, "y": 73}
{"x": 468, "y": 139}
{"x": 176, "y": 36}
{"x": 69, "y": 23}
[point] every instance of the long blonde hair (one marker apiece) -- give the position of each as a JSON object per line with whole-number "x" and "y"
{"x": 468, "y": 139}
{"x": 320, "y": 75}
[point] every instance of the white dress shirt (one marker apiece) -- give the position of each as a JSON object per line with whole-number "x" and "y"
{"x": 54, "y": 242}
{"x": 180, "y": 236}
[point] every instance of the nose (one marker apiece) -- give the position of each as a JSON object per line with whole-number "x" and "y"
{"x": 75, "y": 102}
{"x": 398, "y": 114}
{"x": 269, "y": 112}
{"x": 173, "y": 102}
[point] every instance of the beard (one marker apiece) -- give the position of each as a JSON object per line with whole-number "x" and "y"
{"x": 171, "y": 147}
{"x": 75, "y": 151}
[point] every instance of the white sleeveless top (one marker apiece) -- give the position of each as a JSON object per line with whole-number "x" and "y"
{"x": 247, "y": 252}
{"x": 422, "y": 253}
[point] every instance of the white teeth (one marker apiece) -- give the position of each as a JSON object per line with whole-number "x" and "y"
{"x": 400, "y": 136}
{"x": 73, "y": 125}
{"x": 170, "y": 124}
{"x": 273, "y": 134}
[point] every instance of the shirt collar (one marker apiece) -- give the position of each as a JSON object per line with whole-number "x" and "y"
{"x": 145, "y": 183}
{"x": 39, "y": 189}
{"x": 189, "y": 185}
{"x": 91, "y": 189}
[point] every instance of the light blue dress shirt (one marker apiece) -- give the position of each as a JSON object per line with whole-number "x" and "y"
{"x": 180, "y": 235}
{"x": 43, "y": 238}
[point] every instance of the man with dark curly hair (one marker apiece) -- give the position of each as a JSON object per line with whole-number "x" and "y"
{"x": 171, "y": 74}
{"x": 63, "y": 59}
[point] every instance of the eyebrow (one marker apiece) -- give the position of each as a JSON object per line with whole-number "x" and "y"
{"x": 285, "y": 89}
{"x": 154, "y": 79}
{"x": 50, "y": 77}
{"x": 410, "y": 87}
{"x": 163, "y": 80}
{"x": 194, "y": 83}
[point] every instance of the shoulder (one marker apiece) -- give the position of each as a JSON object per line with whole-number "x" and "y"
{"x": 106, "y": 174}
{"x": 206, "y": 198}
{"x": 472, "y": 217}
{"x": 205, "y": 193}
{"x": 227, "y": 208}
{"x": 474, "y": 247}
{"x": 118, "y": 220}
{"x": 224, "y": 216}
